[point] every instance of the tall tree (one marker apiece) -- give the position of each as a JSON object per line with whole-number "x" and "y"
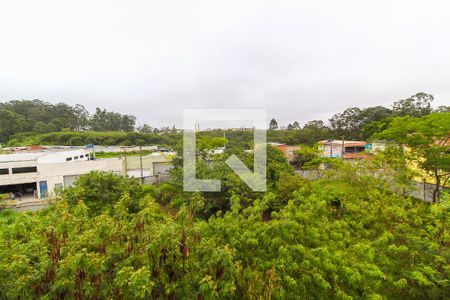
{"x": 306, "y": 155}
{"x": 428, "y": 138}
{"x": 442, "y": 108}
{"x": 348, "y": 123}
{"x": 81, "y": 117}
{"x": 273, "y": 124}
{"x": 10, "y": 123}
{"x": 352, "y": 122}
{"x": 314, "y": 124}
{"x": 145, "y": 129}
{"x": 104, "y": 120}
{"x": 415, "y": 106}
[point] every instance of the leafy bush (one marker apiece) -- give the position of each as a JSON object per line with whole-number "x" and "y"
{"x": 101, "y": 191}
{"x": 346, "y": 235}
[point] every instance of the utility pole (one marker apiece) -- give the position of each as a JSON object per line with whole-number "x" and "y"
{"x": 424, "y": 189}
{"x": 125, "y": 163}
{"x": 343, "y": 147}
{"x": 140, "y": 162}
{"x": 225, "y": 146}
{"x": 331, "y": 147}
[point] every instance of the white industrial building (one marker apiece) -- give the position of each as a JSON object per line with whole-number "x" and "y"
{"x": 40, "y": 174}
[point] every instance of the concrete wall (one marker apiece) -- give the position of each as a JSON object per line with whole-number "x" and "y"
{"x": 47, "y": 172}
{"x": 418, "y": 190}
{"x": 69, "y": 180}
{"x": 331, "y": 151}
{"x": 10, "y": 179}
{"x": 425, "y": 191}
{"x": 308, "y": 174}
{"x": 161, "y": 167}
{"x": 113, "y": 149}
{"x": 151, "y": 164}
{"x": 156, "y": 179}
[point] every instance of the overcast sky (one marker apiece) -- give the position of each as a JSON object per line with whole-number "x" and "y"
{"x": 301, "y": 60}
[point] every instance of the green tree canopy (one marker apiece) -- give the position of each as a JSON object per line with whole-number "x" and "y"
{"x": 428, "y": 138}
{"x": 344, "y": 236}
{"x": 10, "y": 123}
{"x": 273, "y": 124}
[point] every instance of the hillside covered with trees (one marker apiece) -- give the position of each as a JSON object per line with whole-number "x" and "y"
{"x": 35, "y": 122}
{"x": 36, "y": 116}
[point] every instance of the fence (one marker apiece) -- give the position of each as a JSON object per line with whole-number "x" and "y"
{"x": 419, "y": 190}
{"x": 157, "y": 179}
{"x": 424, "y": 191}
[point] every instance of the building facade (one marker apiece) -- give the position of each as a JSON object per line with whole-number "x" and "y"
{"x": 343, "y": 149}
{"x": 40, "y": 174}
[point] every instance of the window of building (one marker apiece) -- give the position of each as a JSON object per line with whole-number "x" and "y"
{"x": 24, "y": 170}
{"x": 4, "y": 171}
{"x": 75, "y": 158}
{"x": 58, "y": 187}
{"x": 81, "y": 156}
{"x": 69, "y": 159}
{"x": 354, "y": 149}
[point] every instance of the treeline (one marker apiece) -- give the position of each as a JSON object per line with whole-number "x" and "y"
{"x": 359, "y": 123}
{"x": 240, "y": 139}
{"x": 43, "y": 117}
{"x": 109, "y": 138}
{"x": 352, "y": 124}
{"x": 244, "y": 138}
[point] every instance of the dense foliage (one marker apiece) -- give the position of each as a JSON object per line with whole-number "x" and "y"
{"x": 347, "y": 235}
{"x": 93, "y": 137}
{"x": 42, "y": 117}
{"x": 428, "y": 139}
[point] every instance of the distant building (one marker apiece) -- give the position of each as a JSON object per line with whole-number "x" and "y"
{"x": 376, "y": 146}
{"x": 342, "y": 148}
{"x": 288, "y": 151}
{"x": 39, "y": 172}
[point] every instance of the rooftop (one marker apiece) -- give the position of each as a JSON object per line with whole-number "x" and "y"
{"x": 34, "y": 155}
{"x": 345, "y": 142}
{"x": 21, "y": 156}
